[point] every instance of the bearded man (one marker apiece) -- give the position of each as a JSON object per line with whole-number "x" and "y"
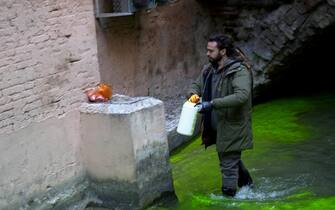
{"x": 225, "y": 88}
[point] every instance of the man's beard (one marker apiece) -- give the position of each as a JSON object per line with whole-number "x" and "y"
{"x": 215, "y": 61}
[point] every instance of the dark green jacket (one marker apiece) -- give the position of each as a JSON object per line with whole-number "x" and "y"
{"x": 231, "y": 96}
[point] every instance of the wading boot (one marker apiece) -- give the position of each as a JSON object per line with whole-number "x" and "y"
{"x": 228, "y": 192}
{"x": 244, "y": 178}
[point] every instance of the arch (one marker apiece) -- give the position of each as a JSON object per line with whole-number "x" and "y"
{"x": 283, "y": 33}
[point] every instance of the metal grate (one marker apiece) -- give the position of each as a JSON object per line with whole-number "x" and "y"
{"x": 116, "y": 6}
{"x": 113, "y": 8}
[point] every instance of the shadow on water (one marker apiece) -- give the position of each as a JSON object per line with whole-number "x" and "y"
{"x": 293, "y": 162}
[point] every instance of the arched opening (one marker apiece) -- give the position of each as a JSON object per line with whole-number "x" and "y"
{"x": 306, "y": 72}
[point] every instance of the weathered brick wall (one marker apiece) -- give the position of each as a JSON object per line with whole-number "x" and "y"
{"x": 47, "y": 57}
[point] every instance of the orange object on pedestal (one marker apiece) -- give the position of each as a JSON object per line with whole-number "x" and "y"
{"x": 101, "y": 93}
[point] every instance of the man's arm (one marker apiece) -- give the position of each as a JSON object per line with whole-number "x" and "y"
{"x": 242, "y": 89}
{"x": 195, "y": 87}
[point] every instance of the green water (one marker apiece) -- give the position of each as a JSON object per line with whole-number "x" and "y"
{"x": 292, "y": 164}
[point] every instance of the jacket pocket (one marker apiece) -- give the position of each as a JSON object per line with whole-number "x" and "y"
{"x": 233, "y": 130}
{"x": 235, "y": 114}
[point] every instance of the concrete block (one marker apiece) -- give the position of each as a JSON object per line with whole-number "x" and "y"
{"x": 125, "y": 151}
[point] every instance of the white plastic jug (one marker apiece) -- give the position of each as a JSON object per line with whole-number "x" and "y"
{"x": 188, "y": 119}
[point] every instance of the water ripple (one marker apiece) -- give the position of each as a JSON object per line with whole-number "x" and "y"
{"x": 269, "y": 189}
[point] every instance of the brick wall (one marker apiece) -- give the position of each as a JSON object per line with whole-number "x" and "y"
{"x": 48, "y": 56}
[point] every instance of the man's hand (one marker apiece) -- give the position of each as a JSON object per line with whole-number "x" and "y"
{"x": 205, "y": 106}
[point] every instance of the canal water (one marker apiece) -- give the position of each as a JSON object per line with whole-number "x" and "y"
{"x": 292, "y": 163}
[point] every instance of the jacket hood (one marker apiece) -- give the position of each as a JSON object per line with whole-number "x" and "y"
{"x": 231, "y": 65}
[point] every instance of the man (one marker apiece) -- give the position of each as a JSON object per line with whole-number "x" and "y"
{"x": 225, "y": 86}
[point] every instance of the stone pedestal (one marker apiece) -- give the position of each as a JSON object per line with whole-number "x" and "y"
{"x": 125, "y": 151}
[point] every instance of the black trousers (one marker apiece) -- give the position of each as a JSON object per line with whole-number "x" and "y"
{"x": 233, "y": 170}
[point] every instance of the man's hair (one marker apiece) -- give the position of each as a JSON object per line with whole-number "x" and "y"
{"x": 224, "y": 42}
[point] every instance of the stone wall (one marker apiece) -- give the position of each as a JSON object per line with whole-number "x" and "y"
{"x": 40, "y": 164}
{"x": 48, "y": 55}
{"x": 157, "y": 52}
{"x": 271, "y": 36}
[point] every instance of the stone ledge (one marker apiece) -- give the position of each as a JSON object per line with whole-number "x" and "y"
{"x": 120, "y": 104}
